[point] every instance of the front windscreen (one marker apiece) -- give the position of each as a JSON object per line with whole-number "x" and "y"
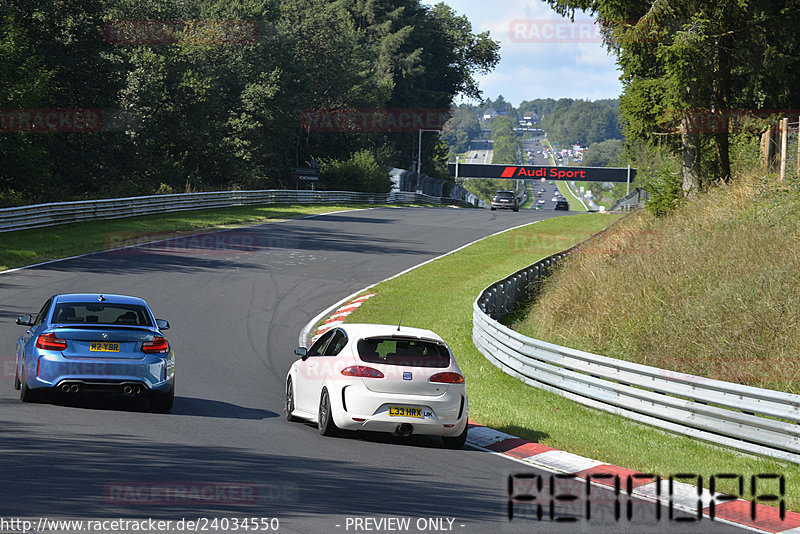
{"x": 101, "y": 313}
{"x": 406, "y": 352}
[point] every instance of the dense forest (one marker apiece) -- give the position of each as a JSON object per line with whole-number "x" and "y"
{"x": 567, "y": 122}
{"x": 578, "y": 122}
{"x": 121, "y": 97}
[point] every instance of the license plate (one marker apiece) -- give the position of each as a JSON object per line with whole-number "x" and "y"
{"x": 400, "y": 411}
{"x": 97, "y": 346}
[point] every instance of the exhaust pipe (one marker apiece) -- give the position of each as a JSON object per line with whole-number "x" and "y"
{"x": 65, "y": 388}
{"x": 127, "y": 390}
{"x": 74, "y": 388}
{"x": 136, "y": 390}
{"x": 404, "y": 429}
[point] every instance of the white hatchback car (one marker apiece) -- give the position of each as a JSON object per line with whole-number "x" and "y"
{"x": 380, "y": 378}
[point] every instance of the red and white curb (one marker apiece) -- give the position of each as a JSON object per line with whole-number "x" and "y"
{"x": 338, "y": 317}
{"x": 684, "y": 496}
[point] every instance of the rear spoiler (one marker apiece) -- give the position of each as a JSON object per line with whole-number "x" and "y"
{"x": 94, "y": 326}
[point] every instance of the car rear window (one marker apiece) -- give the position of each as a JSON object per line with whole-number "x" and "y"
{"x": 406, "y": 352}
{"x": 101, "y": 313}
{"x": 501, "y": 194}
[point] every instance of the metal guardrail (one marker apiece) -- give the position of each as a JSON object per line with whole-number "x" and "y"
{"x": 631, "y": 201}
{"x": 42, "y": 215}
{"x": 750, "y": 419}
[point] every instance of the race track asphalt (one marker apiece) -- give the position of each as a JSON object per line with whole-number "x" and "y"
{"x": 236, "y": 302}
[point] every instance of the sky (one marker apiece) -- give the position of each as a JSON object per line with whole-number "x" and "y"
{"x": 542, "y": 54}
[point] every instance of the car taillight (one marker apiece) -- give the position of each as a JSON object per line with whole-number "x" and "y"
{"x": 50, "y": 342}
{"x": 158, "y": 345}
{"x": 363, "y": 371}
{"x": 447, "y": 378}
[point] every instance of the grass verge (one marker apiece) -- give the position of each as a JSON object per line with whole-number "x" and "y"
{"x": 566, "y": 192}
{"x": 26, "y": 247}
{"x": 439, "y": 296}
{"x": 528, "y": 204}
{"x": 710, "y": 290}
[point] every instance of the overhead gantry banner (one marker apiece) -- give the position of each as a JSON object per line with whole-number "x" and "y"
{"x": 519, "y": 172}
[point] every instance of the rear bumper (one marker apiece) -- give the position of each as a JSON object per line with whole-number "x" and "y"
{"x": 504, "y": 206}
{"x": 152, "y": 372}
{"x": 362, "y": 409}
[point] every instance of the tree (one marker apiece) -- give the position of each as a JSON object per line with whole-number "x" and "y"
{"x": 687, "y": 64}
{"x": 602, "y": 154}
{"x": 501, "y": 126}
{"x": 581, "y": 122}
{"x": 461, "y": 128}
{"x": 221, "y": 114}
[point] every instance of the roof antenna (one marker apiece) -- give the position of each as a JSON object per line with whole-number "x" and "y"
{"x": 401, "y": 321}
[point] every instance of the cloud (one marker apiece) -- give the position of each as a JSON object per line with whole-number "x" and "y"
{"x": 542, "y": 54}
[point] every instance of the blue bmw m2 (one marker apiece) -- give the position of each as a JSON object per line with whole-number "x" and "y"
{"x": 95, "y": 343}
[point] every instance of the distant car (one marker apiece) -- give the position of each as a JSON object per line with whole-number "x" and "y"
{"x": 383, "y": 378}
{"x": 554, "y": 199}
{"x": 95, "y": 343}
{"x": 505, "y": 200}
{"x": 562, "y": 205}
{"x": 540, "y": 201}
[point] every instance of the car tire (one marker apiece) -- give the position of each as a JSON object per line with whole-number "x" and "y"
{"x": 325, "y": 423}
{"x": 289, "y": 401}
{"x": 456, "y": 442}
{"x": 492, "y": 209}
{"x": 163, "y": 402}
{"x": 16, "y": 378}
{"x": 516, "y": 209}
{"x": 26, "y": 394}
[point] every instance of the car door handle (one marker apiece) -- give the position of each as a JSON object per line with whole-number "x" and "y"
{"x": 28, "y": 331}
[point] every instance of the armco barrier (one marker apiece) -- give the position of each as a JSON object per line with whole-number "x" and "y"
{"x": 750, "y": 419}
{"x": 41, "y": 215}
{"x": 631, "y": 201}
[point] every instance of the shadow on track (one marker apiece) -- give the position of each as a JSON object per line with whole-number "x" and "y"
{"x": 183, "y": 406}
{"x": 72, "y": 476}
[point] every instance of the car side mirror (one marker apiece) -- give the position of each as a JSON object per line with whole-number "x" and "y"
{"x": 25, "y": 320}
{"x": 162, "y": 324}
{"x": 302, "y": 352}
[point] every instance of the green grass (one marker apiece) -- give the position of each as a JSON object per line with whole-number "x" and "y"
{"x": 574, "y": 203}
{"x": 710, "y": 290}
{"x": 602, "y": 196}
{"x": 528, "y": 204}
{"x": 439, "y": 296}
{"x": 26, "y": 247}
